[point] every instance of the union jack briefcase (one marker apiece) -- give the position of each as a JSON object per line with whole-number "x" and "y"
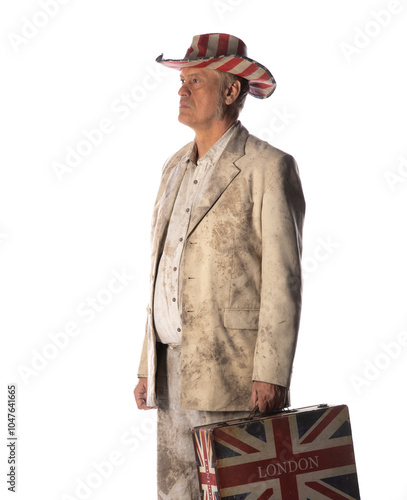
{"x": 304, "y": 454}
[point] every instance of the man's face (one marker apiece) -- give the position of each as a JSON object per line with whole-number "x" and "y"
{"x": 200, "y": 98}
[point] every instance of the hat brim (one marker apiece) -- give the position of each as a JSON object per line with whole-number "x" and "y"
{"x": 261, "y": 81}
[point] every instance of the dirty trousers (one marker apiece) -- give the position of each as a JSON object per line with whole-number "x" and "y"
{"x": 177, "y": 476}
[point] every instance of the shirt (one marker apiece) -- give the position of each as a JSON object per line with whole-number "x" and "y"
{"x": 167, "y": 307}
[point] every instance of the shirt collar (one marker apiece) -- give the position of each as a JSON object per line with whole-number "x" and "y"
{"x": 213, "y": 154}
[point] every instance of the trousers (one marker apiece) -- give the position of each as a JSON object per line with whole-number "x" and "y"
{"x": 177, "y": 473}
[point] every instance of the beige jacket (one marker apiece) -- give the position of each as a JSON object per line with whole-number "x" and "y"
{"x": 241, "y": 276}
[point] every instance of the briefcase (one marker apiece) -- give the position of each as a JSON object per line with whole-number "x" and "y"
{"x": 303, "y": 454}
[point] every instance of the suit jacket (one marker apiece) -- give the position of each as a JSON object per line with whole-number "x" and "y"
{"x": 241, "y": 276}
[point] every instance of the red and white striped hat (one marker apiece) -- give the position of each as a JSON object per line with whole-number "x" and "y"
{"x": 225, "y": 53}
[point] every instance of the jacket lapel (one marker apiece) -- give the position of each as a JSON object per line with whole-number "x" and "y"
{"x": 224, "y": 173}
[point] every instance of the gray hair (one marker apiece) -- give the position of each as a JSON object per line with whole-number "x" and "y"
{"x": 227, "y": 79}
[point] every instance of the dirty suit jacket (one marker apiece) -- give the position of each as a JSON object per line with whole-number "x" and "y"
{"x": 241, "y": 276}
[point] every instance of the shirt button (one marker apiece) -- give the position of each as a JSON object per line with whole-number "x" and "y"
{"x": 187, "y": 210}
{"x": 181, "y": 239}
{"x": 174, "y": 299}
{"x": 195, "y": 182}
{"x": 178, "y": 329}
{"x": 174, "y": 268}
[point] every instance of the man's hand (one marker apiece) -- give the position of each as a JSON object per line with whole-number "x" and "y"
{"x": 140, "y": 394}
{"x": 268, "y": 397}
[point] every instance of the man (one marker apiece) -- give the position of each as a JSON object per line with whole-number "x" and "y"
{"x": 226, "y": 276}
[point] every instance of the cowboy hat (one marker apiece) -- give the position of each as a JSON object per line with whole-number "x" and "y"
{"x": 227, "y": 53}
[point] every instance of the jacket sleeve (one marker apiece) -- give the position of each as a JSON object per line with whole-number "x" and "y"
{"x": 283, "y": 210}
{"x": 143, "y": 365}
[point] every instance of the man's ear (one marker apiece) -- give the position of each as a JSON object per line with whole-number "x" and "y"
{"x": 232, "y": 92}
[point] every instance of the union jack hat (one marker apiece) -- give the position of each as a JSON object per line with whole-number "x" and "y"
{"x": 225, "y": 53}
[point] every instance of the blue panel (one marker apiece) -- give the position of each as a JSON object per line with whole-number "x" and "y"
{"x": 347, "y": 484}
{"x": 256, "y": 429}
{"x": 237, "y": 497}
{"x": 223, "y": 451}
{"x": 306, "y": 420}
{"x": 344, "y": 430}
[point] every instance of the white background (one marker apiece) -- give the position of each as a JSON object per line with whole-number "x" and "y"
{"x": 340, "y": 109}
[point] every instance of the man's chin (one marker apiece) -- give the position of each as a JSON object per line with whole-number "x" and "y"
{"x": 183, "y": 119}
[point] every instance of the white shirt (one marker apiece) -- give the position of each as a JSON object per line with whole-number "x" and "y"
{"x": 167, "y": 308}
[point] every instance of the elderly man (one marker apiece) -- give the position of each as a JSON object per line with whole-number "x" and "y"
{"x": 226, "y": 275}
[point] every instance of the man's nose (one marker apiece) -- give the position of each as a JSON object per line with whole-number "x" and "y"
{"x": 184, "y": 90}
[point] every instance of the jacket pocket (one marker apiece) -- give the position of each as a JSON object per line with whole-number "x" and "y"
{"x": 241, "y": 319}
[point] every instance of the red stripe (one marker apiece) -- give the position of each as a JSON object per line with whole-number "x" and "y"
{"x": 249, "y": 70}
{"x": 262, "y": 85}
{"x": 329, "y": 458}
{"x": 208, "y": 479}
{"x": 222, "y": 45}
{"x": 202, "y": 45}
{"x": 223, "y": 436}
{"x": 229, "y": 65}
{"x": 264, "y": 76}
{"x": 327, "y": 419}
{"x": 325, "y": 491}
{"x": 255, "y": 68}
{"x": 284, "y": 450}
{"x": 266, "y": 495}
{"x": 203, "y": 64}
